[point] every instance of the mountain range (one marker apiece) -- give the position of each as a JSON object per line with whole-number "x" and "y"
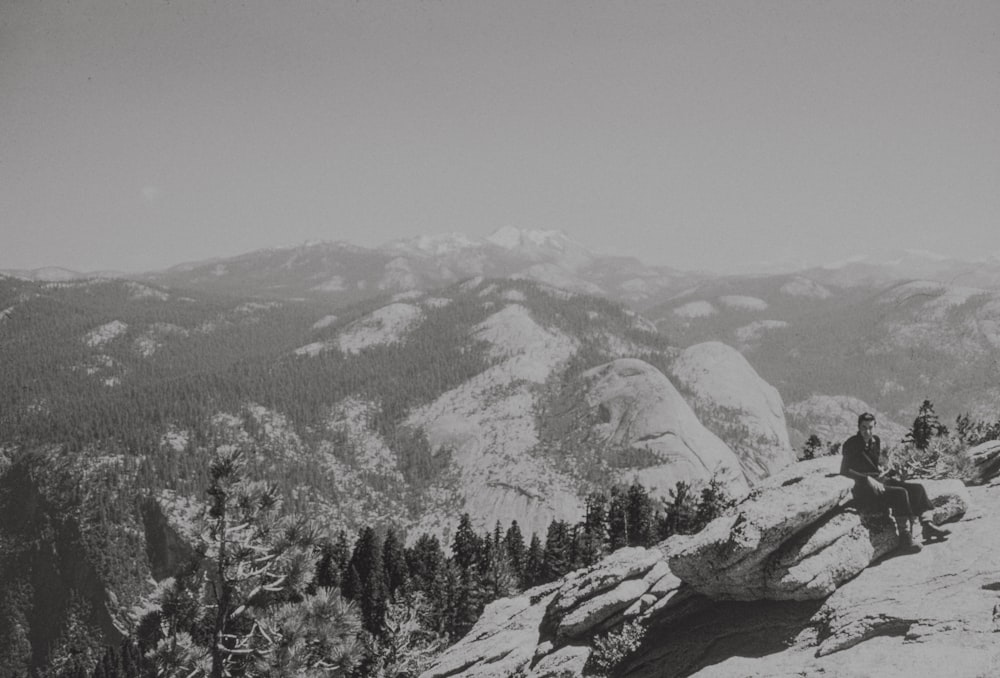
{"x": 504, "y": 377}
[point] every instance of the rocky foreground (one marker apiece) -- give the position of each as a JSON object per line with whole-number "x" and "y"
{"x": 795, "y": 583}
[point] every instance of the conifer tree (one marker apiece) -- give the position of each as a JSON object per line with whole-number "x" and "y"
{"x": 715, "y": 502}
{"x": 533, "y": 561}
{"x": 812, "y": 447}
{"x": 514, "y": 546}
{"x": 255, "y": 560}
{"x": 425, "y": 560}
{"x": 618, "y": 528}
{"x": 366, "y": 572}
{"x": 557, "y": 559}
{"x": 925, "y": 427}
{"x": 639, "y": 516}
{"x": 466, "y": 547}
{"x": 394, "y": 563}
{"x": 335, "y": 555}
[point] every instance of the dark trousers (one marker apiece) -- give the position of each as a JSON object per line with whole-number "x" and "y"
{"x": 907, "y": 500}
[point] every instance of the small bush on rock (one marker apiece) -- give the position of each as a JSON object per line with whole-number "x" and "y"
{"x": 615, "y": 647}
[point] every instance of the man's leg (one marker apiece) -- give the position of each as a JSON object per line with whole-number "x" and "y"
{"x": 922, "y": 507}
{"x": 899, "y": 501}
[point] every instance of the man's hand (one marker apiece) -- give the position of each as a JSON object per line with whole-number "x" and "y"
{"x": 877, "y": 487}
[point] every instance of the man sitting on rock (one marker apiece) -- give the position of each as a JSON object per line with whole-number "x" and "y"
{"x": 877, "y": 491}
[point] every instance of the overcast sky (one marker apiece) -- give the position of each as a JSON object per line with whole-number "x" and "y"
{"x": 136, "y": 135}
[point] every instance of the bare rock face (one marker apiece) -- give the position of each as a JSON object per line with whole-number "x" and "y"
{"x": 751, "y": 410}
{"x": 502, "y": 642}
{"x": 636, "y": 406}
{"x": 730, "y": 557}
{"x": 932, "y": 613}
{"x": 545, "y": 632}
{"x": 791, "y": 540}
{"x": 833, "y": 614}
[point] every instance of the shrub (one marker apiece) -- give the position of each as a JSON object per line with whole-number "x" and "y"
{"x": 615, "y": 647}
{"x": 944, "y": 456}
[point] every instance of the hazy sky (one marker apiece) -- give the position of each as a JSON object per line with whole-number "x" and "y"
{"x": 140, "y": 134}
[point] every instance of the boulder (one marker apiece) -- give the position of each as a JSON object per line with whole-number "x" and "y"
{"x": 729, "y": 558}
{"x": 814, "y": 563}
{"x": 985, "y": 462}
{"x": 789, "y": 541}
{"x": 950, "y": 499}
{"x": 753, "y": 414}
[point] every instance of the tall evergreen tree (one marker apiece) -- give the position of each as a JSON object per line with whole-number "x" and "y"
{"x": 466, "y": 547}
{"x": 557, "y": 560}
{"x": 925, "y": 427}
{"x": 394, "y": 562}
{"x": 514, "y": 545}
{"x": 366, "y": 572}
{"x": 639, "y": 512}
{"x": 533, "y": 563}
{"x": 618, "y": 528}
{"x": 425, "y": 559}
{"x": 335, "y": 554}
{"x": 257, "y": 560}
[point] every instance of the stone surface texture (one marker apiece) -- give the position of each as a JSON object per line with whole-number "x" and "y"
{"x": 641, "y": 408}
{"x": 720, "y": 377}
{"x": 834, "y": 597}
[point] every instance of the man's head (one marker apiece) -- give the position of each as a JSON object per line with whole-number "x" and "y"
{"x": 866, "y": 425}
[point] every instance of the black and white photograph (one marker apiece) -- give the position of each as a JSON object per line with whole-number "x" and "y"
{"x": 499, "y": 339}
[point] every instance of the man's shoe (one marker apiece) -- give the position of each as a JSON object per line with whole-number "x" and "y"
{"x": 932, "y": 532}
{"x": 906, "y": 543}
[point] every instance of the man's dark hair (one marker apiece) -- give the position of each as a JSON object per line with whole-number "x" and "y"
{"x": 867, "y": 416}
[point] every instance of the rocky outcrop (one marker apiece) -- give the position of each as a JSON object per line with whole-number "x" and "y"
{"x": 631, "y": 404}
{"x": 933, "y": 613}
{"x": 545, "y": 632}
{"x": 730, "y": 557}
{"x": 822, "y": 547}
{"x": 792, "y": 540}
{"x": 743, "y": 409}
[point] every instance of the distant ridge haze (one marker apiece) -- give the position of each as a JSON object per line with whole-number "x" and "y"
{"x": 556, "y": 246}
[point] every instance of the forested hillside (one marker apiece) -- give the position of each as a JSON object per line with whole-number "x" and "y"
{"x": 888, "y": 343}
{"x": 117, "y": 392}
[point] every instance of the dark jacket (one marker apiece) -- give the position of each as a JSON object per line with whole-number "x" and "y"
{"x": 859, "y": 458}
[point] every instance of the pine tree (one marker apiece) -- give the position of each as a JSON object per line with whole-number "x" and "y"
{"x": 533, "y": 563}
{"x": 425, "y": 560}
{"x": 366, "y": 579}
{"x": 335, "y": 554}
{"x": 813, "y": 447}
{"x": 678, "y": 515}
{"x": 213, "y": 620}
{"x": 466, "y": 547}
{"x": 394, "y": 563}
{"x": 925, "y": 427}
{"x": 715, "y": 502}
{"x": 557, "y": 560}
{"x": 639, "y": 512}
{"x": 618, "y": 528}
{"x": 316, "y": 637}
{"x": 514, "y": 545}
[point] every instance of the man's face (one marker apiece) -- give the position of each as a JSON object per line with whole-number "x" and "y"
{"x": 866, "y": 429}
